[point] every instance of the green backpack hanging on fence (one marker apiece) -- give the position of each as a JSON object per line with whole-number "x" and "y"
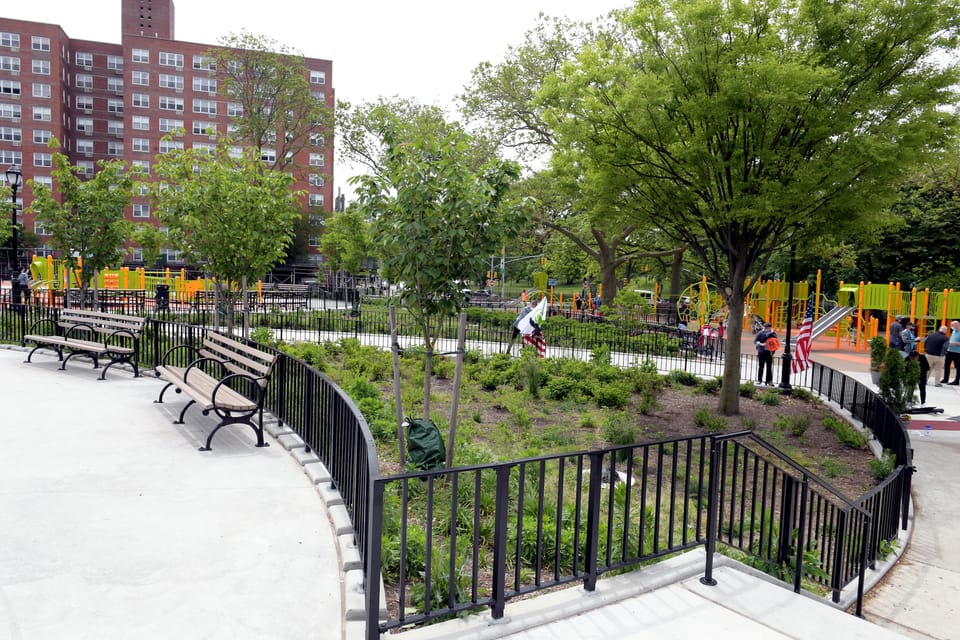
{"x": 425, "y": 450}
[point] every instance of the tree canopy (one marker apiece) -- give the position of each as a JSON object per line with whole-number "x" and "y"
{"x": 737, "y": 127}
{"x": 86, "y": 222}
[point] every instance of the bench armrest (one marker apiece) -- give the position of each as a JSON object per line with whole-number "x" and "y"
{"x": 74, "y": 330}
{"x": 250, "y": 381}
{"x": 196, "y": 364}
{"x": 192, "y": 351}
{"x": 120, "y": 333}
{"x": 54, "y": 328}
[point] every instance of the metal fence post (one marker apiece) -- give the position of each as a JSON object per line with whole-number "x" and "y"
{"x": 593, "y": 520}
{"x": 371, "y": 573}
{"x": 713, "y": 500}
{"x": 500, "y": 541}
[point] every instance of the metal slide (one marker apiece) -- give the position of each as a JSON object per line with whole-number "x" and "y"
{"x": 829, "y": 319}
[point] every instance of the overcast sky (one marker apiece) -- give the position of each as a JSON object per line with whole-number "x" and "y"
{"x": 421, "y": 49}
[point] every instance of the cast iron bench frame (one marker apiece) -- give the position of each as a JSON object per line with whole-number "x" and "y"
{"x": 224, "y": 376}
{"x": 91, "y": 334}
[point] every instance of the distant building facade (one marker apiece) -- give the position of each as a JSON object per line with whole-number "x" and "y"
{"x": 116, "y": 101}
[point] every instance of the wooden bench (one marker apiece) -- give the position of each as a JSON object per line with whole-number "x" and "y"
{"x": 92, "y": 334}
{"x": 224, "y": 376}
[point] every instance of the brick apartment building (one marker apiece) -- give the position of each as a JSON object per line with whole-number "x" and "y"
{"x": 105, "y": 101}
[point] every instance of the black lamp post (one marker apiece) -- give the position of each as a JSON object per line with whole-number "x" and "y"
{"x": 785, "y": 375}
{"x": 14, "y": 180}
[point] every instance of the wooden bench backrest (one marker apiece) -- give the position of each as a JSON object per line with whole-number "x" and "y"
{"x": 238, "y": 357}
{"x": 103, "y": 322}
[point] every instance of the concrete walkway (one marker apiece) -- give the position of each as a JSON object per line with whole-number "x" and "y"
{"x": 114, "y": 525}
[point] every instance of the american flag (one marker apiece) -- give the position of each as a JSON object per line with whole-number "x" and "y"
{"x": 801, "y": 358}
{"x": 529, "y": 324}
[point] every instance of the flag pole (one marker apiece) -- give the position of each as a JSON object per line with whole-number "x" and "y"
{"x": 785, "y": 374}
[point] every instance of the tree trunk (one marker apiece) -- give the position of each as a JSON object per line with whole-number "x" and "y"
{"x": 608, "y": 273}
{"x": 427, "y": 368}
{"x": 395, "y": 348}
{"x": 676, "y": 275}
{"x": 730, "y": 386}
{"x": 461, "y": 345}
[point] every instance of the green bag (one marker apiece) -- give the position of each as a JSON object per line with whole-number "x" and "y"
{"x": 425, "y": 450}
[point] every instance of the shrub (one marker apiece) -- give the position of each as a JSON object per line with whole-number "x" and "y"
{"x": 600, "y": 355}
{"x": 559, "y": 388}
{"x": 683, "y": 378}
{"x": 710, "y": 386}
{"x": 587, "y": 422}
{"x": 618, "y": 429}
{"x": 711, "y": 422}
{"x": 884, "y": 466}
{"x": 613, "y": 395}
{"x": 748, "y": 390}
{"x": 794, "y": 425}
{"x": 803, "y": 394}
{"x": 846, "y": 433}
{"x": 770, "y": 398}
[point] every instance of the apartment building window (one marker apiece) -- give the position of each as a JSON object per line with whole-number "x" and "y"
{"x": 140, "y": 78}
{"x": 204, "y": 106}
{"x": 11, "y": 157}
{"x": 42, "y": 136}
{"x": 316, "y": 199}
{"x": 204, "y": 147}
{"x": 115, "y": 128}
{"x": 319, "y": 96}
{"x": 85, "y": 103}
{"x": 46, "y": 181}
{"x": 171, "y": 104}
{"x": 40, "y": 67}
{"x": 142, "y": 166}
{"x": 83, "y": 81}
{"x": 40, "y": 43}
{"x": 10, "y": 63}
{"x": 115, "y": 63}
{"x": 208, "y": 85}
{"x": 85, "y": 145}
{"x": 316, "y": 159}
{"x": 268, "y": 155}
{"x": 115, "y": 85}
{"x": 316, "y": 139}
{"x": 141, "y": 123}
{"x": 318, "y": 77}
{"x": 11, "y": 134}
{"x": 140, "y": 55}
{"x": 141, "y": 100}
{"x": 235, "y": 152}
{"x": 141, "y": 145}
{"x": 41, "y": 90}
{"x": 8, "y": 39}
{"x": 43, "y": 114}
{"x": 85, "y": 168}
{"x": 43, "y": 160}
{"x": 114, "y": 105}
{"x": 141, "y": 210}
{"x": 166, "y": 146}
{"x": 204, "y": 128}
{"x": 204, "y": 63}
{"x": 316, "y": 180}
{"x": 85, "y": 125}
{"x": 83, "y": 59}
{"x": 10, "y": 111}
{"x": 169, "y": 81}
{"x": 234, "y": 109}
{"x": 141, "y": 190}
{"x": 171, "y": 59}
{"x": 9, "y": 88}
{"x": 114, "y": 148}
{"x": 168, "y": 125}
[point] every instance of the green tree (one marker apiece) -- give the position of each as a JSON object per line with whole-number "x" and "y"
{"x": 347, "y": 242}
{"x": 738, "y": 128}
{"x": 435, "y": 219}
{"x": 271, "y": 84}
{"x": 151, "y": 241}
{"x": 231, "y": 214}
{"x": 85, "y": 218}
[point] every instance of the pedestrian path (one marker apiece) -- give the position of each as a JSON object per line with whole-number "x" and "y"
{"x": 114, "y": 525}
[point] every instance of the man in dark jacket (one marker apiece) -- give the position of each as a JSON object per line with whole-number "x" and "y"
{"x": 933, "y": 347}
{"x": 896, "y": 327}
{"x": 764, "y": 355}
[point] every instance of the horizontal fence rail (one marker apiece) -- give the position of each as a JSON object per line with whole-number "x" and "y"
{"x": 476, "y": 537}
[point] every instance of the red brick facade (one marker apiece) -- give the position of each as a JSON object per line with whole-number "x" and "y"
{"x": 103, "y": 100}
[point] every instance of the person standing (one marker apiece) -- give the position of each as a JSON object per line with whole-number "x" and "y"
{"x": 952, "y": 355}
{"x": 896, "y": 327}
{"x": 934, "y": 346}
{"x": 908, "y": 339}
{"x": 764, "y": 354}
{"x": 924, "y": 373}
{"x": 24, "y": 281}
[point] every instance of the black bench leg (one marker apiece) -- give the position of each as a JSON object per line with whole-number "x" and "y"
{"x": 184, "y": 411}
{"x": 164, "y": 390}
{"x": 58, "y": 350}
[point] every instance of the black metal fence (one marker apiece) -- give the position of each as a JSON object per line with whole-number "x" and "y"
{"x": 474, "y": 537}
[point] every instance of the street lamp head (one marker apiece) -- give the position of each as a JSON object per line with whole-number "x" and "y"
{"x": 14, "y": 176}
